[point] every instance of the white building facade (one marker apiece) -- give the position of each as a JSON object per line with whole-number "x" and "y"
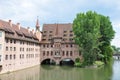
{"x": 19, "y": 47}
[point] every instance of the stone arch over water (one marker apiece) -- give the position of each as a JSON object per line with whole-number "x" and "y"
{"x": 66, "y": 61}
{"x": 48, "y": 61}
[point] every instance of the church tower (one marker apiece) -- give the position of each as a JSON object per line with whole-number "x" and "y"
{"x": 37, "y": 25}
{"x": 37, "y": 32}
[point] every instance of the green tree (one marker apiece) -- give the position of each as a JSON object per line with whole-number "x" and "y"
{"x": 77, "y": 62}
{"x": 88, "y": 28}
{"x": 107, "y": 34}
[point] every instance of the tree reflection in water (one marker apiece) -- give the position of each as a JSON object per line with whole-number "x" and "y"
{"x": 65, "y": 73}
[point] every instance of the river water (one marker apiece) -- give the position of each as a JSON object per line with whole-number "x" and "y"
{"x": 109, "y": 72}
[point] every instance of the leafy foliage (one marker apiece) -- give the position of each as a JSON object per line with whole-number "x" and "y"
{"x": 92, "y": 32}
{"x": 77, "y": 62}
{"x": 116, "y": 49}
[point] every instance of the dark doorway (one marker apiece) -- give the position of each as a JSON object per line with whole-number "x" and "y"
{"x": 48, "y": 62}
{"x": 68, "y": 62}
{"x": 0, "y": 68}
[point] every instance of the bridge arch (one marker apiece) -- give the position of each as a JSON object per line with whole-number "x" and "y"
{"x": 48, "y": 61}
{"x": 116, "y": 56}
{"x": 67, "y": 61}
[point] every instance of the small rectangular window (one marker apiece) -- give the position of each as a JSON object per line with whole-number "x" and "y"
{"x": 45, "y": 31}
{"x": 11, "y": 41}
{"x": 6, "y": 57}
{"x": 14, "y": 48}
{"x": 65, "y": 35}
{"x": 71, "y": 31}
{"x": 20, "y": 42}
{"x": 6, "y": 48}
{"x": 20, "y": 49}
{"x": 44, "y": 35}
{"x": 50, "y": 35}
{"x": 10, "y": 48}
{"x": 50, "y": 31}
{"x": 43, "y": 39}
{"x": 65, "y": 31}
{"x": 14, "y": 41}
{"x": 14, "y": 56}
{"x": 43, "y": 45}
{"x": 71, "y": 34}
{"x": 10, "y": 56}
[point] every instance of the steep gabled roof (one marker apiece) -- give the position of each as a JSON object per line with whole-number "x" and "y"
{"x": 14, "y": 29}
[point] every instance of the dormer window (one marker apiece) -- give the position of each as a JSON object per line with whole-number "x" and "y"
{"x": 71, "y": 34}
{"x": 65, "y": 31}
{"x": 45, "y": 31}
{"x": 44, "y": 35}
{"x": 71, "y": 31}
{"x": 65, "y": 35}
{"x": 50, "y": 31}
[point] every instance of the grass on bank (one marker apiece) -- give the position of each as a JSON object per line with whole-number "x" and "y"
{"x": 96, "y": 64}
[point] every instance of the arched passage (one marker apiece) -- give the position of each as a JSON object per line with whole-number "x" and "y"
{"x": 67, "y": 61}
{"x": 48, "y": 61}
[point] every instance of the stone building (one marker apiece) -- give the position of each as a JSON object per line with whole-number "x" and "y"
{"x": 19, "y": 47}
{"x": 58, "y": 44}
{"x": 22, "y": 48}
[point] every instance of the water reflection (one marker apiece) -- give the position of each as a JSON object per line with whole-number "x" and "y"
{"x": 26, "y": 74}
{"x": 116, "y": 70}
{"x": 71, "y": 73}
{"x": 109, "y": 72}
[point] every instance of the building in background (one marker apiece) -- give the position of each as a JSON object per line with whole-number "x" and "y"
{"x": 22, "y": 48}
{"x": 58, "y": 44}
{"x": 19, "y": 47}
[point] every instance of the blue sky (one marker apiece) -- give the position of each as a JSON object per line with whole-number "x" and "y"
{"x": 58, "y": 11}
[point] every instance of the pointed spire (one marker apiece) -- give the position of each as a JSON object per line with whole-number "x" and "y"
{"x": 37, "y": 24}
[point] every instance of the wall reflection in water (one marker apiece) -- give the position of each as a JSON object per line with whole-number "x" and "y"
{"x": 59, "y": 73}
{"x": 72, "y": 73}
{"x": 26, "y": 74}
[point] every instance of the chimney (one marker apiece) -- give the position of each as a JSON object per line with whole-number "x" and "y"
{"x": 28, "y": 28}
{"x": 10, "y": 23}
{"x": 18, "y": 25}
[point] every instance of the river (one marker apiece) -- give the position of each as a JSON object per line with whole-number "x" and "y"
{"x": 109, "y": 72}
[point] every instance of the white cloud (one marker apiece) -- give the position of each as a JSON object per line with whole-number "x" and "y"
{"x": 52, "y": 11}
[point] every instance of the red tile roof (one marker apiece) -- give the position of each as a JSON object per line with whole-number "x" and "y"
{"x": 14, "y": 29}
{"x": 57, "y": 30}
